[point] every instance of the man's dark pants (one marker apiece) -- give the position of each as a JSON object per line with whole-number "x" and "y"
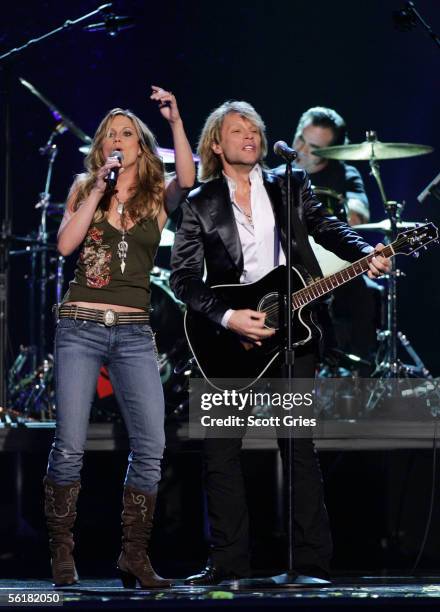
{"x": 227, "y": 506}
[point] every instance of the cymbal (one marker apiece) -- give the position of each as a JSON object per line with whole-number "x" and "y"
{"x": 56, "y": 113}
{"x": 56, "y": 209}
{"x": 28, "y": 239}
{"x": 167, "y": 155}
{"x": 32, "y": 240}
{"x": 31, "y": 250}
{"x": 384, "y": 226}
{"x": 52, "y": 208}
{"x": 373, "y": 150}
{"x": 347, "y": 359}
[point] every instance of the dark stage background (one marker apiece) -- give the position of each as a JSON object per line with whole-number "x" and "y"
{"x": 282, "y": 57}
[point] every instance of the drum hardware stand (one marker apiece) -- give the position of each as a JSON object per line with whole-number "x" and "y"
{"x": 418, "y": 369}
{"x": 51, "y": 150}
{"x": 390, "y": 366}
{"x": 6, "y": 223}
{"x": 406, "y": 19}
{"x": 6, "y": 74}
{"x": 373, "y": 150}
{"x": 433, "y": 189}
{"x": 34, "y": 392}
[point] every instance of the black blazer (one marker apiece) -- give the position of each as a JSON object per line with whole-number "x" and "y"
{"x": 208, "y": 236}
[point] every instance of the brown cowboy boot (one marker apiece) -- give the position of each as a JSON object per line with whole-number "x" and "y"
{"x": 137, "y": 524}
{"x": 60, "y": 511}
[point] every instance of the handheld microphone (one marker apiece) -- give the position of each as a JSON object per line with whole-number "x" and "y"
{"x": 112, "y": 177}
{"x": 283, "y": 150}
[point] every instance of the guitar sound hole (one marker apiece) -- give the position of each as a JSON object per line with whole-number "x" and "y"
{"x": 269, "y": 305}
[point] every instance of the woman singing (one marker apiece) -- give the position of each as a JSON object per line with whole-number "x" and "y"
{"x": 104, "y": 320}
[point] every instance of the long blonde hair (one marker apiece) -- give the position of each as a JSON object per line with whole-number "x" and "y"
{"x": 148, "y": 194}
{"x": 210, "y": 165}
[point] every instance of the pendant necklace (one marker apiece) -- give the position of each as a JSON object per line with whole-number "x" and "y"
{"x": 248, "y": 215}
{"x": 122, "y": 244}
{"x": 249, "y": 218}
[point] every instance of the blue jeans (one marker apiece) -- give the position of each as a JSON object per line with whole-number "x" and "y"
{"x": 129, "y": 352}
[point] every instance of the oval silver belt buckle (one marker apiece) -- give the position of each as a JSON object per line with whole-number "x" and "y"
{"x": 110, "y": 317}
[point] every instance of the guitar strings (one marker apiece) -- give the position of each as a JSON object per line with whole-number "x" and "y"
{"x": 301, "y": 293}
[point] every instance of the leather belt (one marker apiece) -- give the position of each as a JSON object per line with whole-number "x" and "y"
{"x": 107, "y": 317}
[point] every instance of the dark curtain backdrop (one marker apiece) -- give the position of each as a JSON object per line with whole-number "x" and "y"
{"x": 280, "y": 56}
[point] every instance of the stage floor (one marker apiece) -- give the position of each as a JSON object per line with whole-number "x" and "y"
{"x": 396, "y": 593}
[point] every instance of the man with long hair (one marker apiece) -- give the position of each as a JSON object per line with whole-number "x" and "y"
{"x": 234, "y": 225}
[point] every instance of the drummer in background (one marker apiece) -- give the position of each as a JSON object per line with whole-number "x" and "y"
{"x": 322, "y": 127}
{"x": 341, "y": 190}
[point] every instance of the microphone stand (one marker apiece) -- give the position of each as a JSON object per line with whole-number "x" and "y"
{"x": 6, "y": 203}
{"x": 290, "y": 579}
{"x": 406, "y": 18}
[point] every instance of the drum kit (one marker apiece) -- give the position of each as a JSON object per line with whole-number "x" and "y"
{"x": 30, "y": 379}
{"x": 387, "y": 366}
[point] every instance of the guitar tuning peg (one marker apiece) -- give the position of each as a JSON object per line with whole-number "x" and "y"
{"x": 426, "y": 248}
{"x": 416, "y": 254}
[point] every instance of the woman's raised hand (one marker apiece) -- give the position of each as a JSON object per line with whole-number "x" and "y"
{"x": 167, "y": 103}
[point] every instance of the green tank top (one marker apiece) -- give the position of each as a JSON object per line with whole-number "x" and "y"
{"x": 98, "y": 276}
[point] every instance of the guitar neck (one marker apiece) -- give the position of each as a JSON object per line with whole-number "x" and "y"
{"x": 328, "y": 283}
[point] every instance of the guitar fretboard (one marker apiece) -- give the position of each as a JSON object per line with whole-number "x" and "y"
{"x": 328, "y": 283}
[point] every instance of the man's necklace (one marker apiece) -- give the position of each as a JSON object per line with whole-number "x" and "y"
{"x": 122, "y": 244}
{"x": 248, "y": 215}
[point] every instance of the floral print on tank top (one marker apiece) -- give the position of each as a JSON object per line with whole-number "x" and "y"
{"x": 96, "y": 258}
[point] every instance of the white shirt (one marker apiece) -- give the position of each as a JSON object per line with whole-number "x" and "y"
{"x": 260, "y": 242}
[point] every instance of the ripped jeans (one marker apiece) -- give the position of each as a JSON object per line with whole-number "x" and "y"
{"x": 128, "y": 351}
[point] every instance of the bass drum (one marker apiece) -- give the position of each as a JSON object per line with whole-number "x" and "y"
{"x": 173, "y": 354}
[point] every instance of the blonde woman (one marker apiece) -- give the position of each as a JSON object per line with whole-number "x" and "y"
{"x": 104, "y": 319}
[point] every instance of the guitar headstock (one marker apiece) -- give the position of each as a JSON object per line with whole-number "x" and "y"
{"x": 412, "y": 240}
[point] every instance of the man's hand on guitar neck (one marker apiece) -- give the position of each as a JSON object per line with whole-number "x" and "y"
{"x": 250, "y": 324}
{"x": 379, "y": 265}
